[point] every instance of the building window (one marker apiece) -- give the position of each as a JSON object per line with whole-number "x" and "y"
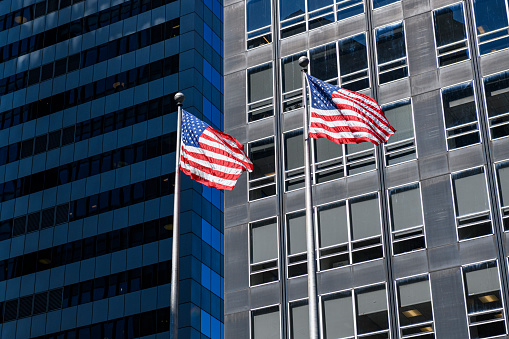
{"x": 265, "y": 323}
{"x": 401, "y": 145}
{"x": 496, "y": 89}
{"x": 353, "y": 62}
{"x": 380, "y": 3}
{"x": 259, "y": 92}
{"x": 258, "y": 23}
{"x": 391, "y": 53}
{"x": 414, "y": 308}
{"x": 367, "y": 304}
{"x": 299, "y": 320}
{"x": 473, "y": 217}
{"x": 292, "y": 82}
{"x": 492, "y": 25}
{"x": 406, "y": 219}
{"x": 349, "y": 238}
{"x": 333, "y": 161}
{"x": 294, "y": 160}
{"x": 450, "y": 35}
{"x": 262, "y": 181}
{"x": 264, "y": 251}
{"x": 296, "y": 244}
{"x": 324, "y": 64}
{"x": 484, "y": 300}
{"x": 292, "y": 17}
{"x": 460, "y": 115}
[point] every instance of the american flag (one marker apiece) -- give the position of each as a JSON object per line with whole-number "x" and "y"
{"x": 345, "y": 117}
{"x": 211, "y": 157}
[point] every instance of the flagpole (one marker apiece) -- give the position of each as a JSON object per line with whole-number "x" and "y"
{"x": 174, "y": 297}
{"x": 310, "y": 234}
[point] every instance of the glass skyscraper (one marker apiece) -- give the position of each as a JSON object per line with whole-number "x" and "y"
{"x": 87, "y": 161}
{"x": 412, "y": 236}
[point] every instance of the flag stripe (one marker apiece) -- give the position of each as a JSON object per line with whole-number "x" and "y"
{"x": 345, "y": 117}
{"x": 211, "y": 157}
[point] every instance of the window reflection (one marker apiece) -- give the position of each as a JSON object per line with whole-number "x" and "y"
{"x": 258, "y": 19}
{"x": 401, "y": 145}
{"x": 265, "y": 323}
{"x": 496, "y": 89}
{"x": 353, "y": 62}
{"x": 294, "y": 160}
{"x": 483, "y": 299}
{"x": 259, "y": 92}
{"x": 492, "y": 25}
{"x": 296, "y": 244}
{"x": 262, "y": 179}
{"x": 450, "y": 35}
{"x": 414, "y": 306}
{"x": 292, "y": 82}
{"x": 264, "y": 251}
{"x": 460, "y": 115}
{"x": 323, "y": 63}
{"x": 380, "y": 3}
{"x": 471, "y": 201}
{"x": 371, "y": 310}
{"x": 391, "y": 53}
{"x": 299, "y": 320}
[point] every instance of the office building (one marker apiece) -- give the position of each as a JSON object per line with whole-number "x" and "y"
{"x": 87, "y": 163}
{"x": 412, "y": 236}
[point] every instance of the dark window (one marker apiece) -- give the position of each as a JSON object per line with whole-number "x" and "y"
{"x": 47, "y": 72}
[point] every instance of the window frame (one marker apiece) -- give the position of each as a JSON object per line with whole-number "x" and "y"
{"x": 427, "y": 275}
{"x": 275, "y": 183}
{"x": 301, "y": 256}
{"x": 262, "y": 100}
{"x": 254, "y": 310}
{"x": 477, "y": 123}
{"x": 261, "y": 35}
{"x": 485, "y": 101}
{"x": 388, "y": 196}
{"x": 297, "y": 170}
{"x": 435, "y": 36}
{"x": 277, "y": 259}
{"x": 392, "y": 61}
{"x": 478, "y": 47}
{"x": 456, "y": 216}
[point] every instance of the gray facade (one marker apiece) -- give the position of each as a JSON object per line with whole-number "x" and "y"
{"x": 439, "y": 192}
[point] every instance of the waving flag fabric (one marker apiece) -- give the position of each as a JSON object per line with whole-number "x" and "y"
{"x": 211, "y": 157}
{"x": 345, "y": 117}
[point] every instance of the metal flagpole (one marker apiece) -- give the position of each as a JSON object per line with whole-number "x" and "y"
{"x": 310, "y": 234}
{"x": 174, "y": 297}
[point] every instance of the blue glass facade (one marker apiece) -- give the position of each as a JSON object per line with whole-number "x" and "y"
{"x": 87, "y": 158}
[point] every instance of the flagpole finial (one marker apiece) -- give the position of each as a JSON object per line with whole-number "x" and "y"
{"x": 179, "y": 98}
{"x": 303, "y": 61}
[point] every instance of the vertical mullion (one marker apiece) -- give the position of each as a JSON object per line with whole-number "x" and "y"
{"x": 486, "y": 145}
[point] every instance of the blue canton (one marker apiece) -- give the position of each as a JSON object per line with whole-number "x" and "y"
{"x": 192, "y": 129}
{"x": 321, "y": 94}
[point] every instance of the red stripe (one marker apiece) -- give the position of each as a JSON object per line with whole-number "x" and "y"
{"x": 347, "y": 129}
{"x": 204, "y": 181}
{"x": 347, "y": 118}
{"x": 341, "y": 140}
{"x": 209, "y": 170}
{"x": 247, "y": 165}
{"x": 381, "y": 120}
{"x": 201, "y": 156}
{"x": 368, "y": 119}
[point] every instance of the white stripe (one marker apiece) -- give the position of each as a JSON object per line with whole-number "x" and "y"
{"x": 336, "y": 112}
{"x": 370, "y": 102}
{"x": 212, "y": 154}
{"x": 219, "y": 144}
{"x": 209, "y": 177}
{"x": 341, "y": 135}
{"x": 214, "y": 167}
{"x": 377, "y": 117}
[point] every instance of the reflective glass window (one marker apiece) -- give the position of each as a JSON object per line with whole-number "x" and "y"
{"x": 260, "y": 92}
{"x": 323, "y": 63}
{"x": 299, "y": 320}
{"x": 333, "y": 235}
{"x": 471, "y": 201}
{"x": 492, "y": 25}
{"x": 292, "y": 17}
{"x": 503, "y": 189}
{"x": 292, "y": 82}
{"x": 262, "y": 179}
{"x": 296, "y": 244}
{"x": 484, "y": 300}
{"x": 450, "y": 35}
{"x": 401, "y": 145}
{"x": 265, "y": 323}
{"x": 496, "y": 88}
{"x": 391, "y": 53}
{"x": 460, "y": 115}
{"x": 337, "y": 315}
{"x": 406, "y": 219}
{"x": 264, "y": 251}
{"x": 294, "y": 160}
{"x": 380, "y": 3}
{"x": 414, "y": 308}
{"x": 353, "y": 62}
{"x": 371, "y": 310}
{"x": 258, "y": 20}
